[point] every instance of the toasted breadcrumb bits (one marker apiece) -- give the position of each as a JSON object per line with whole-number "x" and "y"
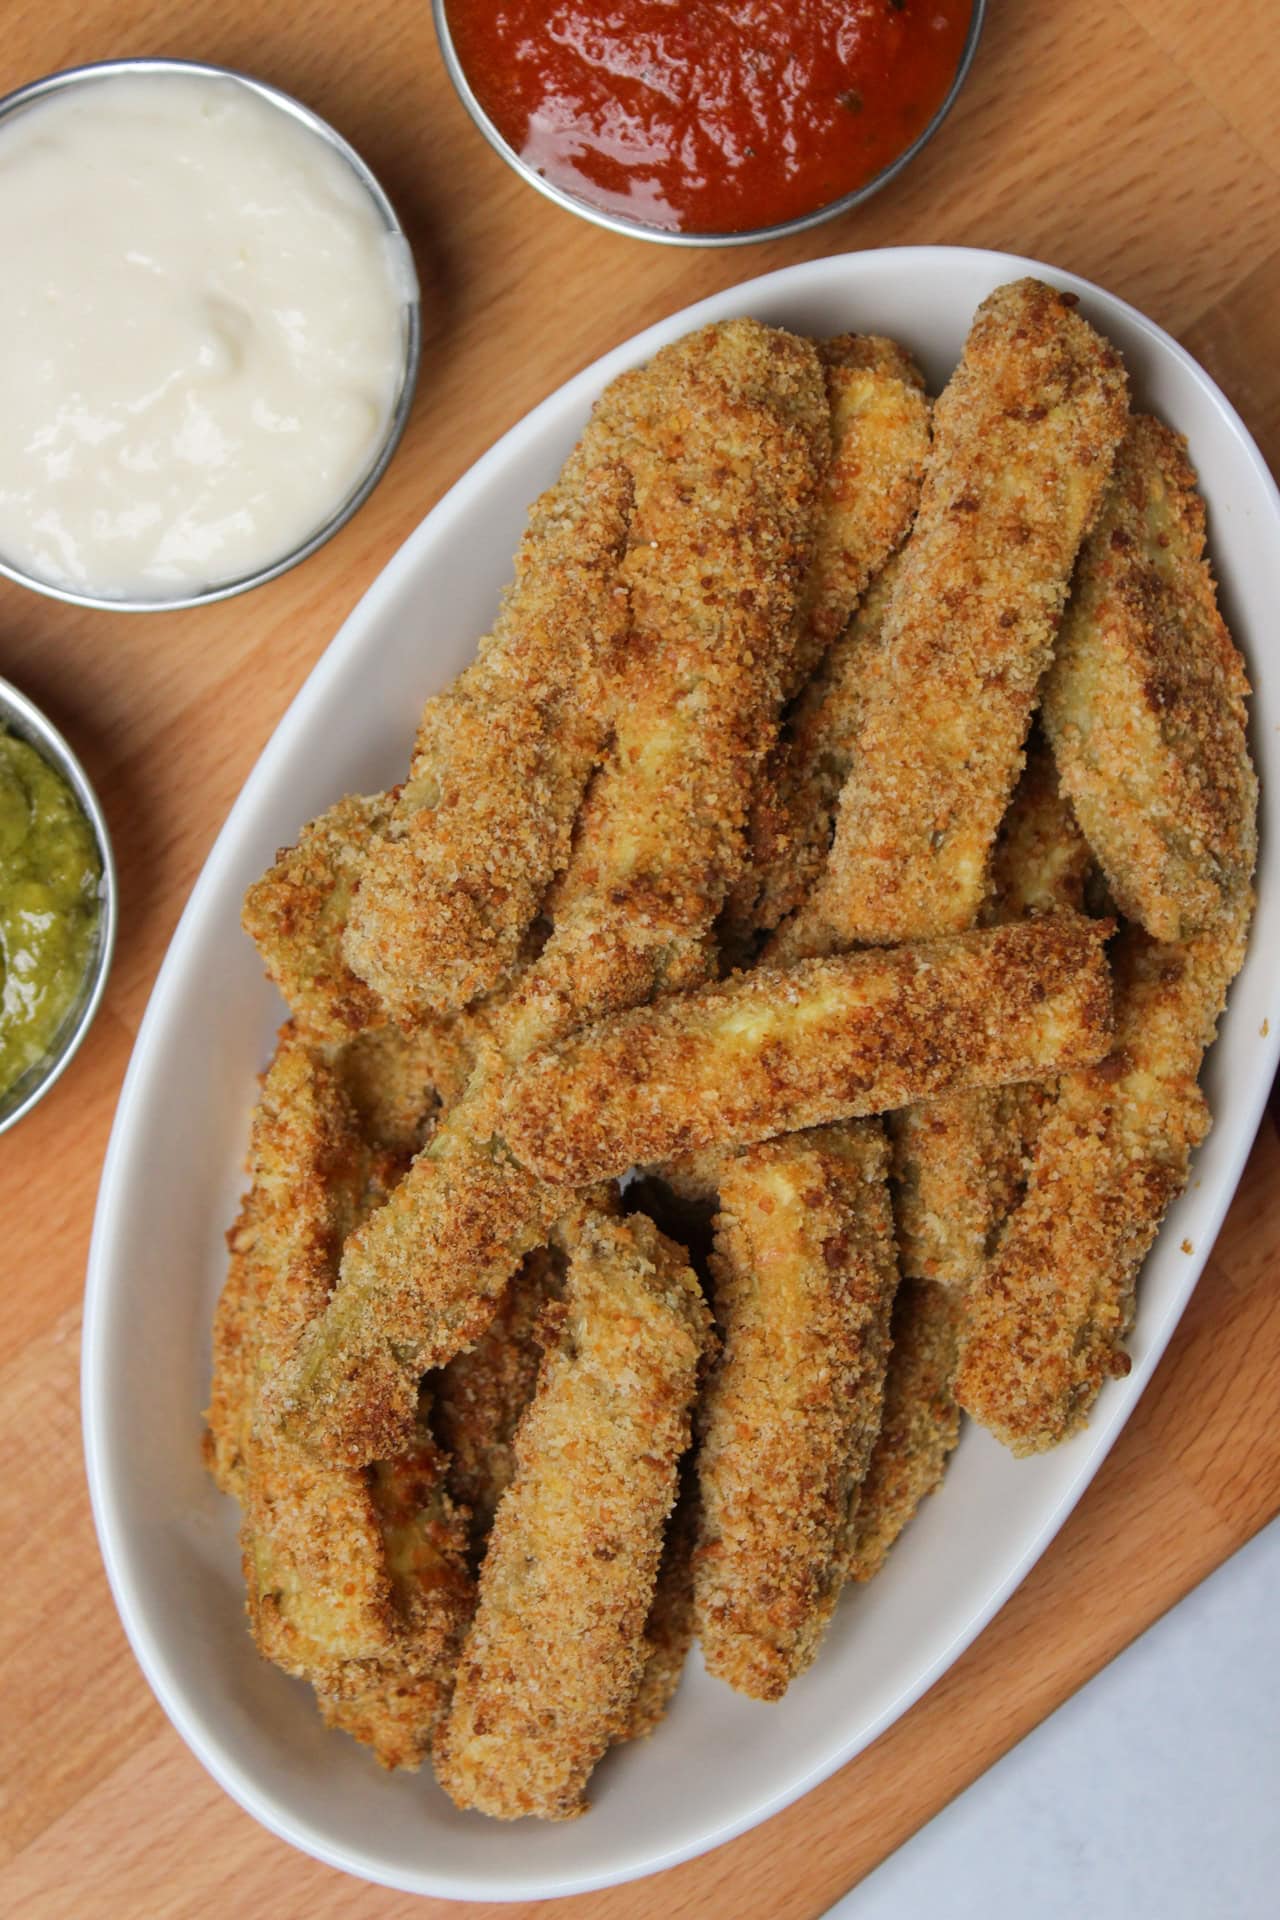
{"x": 780, "y": 1048}
{"x": 556, "y": 1651}
{"x": 921, "y": 1423}
{"x": 1023, "y": 441}
{"x": 1145, "y": 704}
{"x": 805, "y": 1271}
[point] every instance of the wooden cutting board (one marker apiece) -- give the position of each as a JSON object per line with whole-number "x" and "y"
{"x": 1135, "y": 141}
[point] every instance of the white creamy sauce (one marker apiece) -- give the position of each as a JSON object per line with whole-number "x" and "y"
{"x": 201, "y": 334}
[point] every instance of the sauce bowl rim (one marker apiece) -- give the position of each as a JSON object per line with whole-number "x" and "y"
{"x": 96, "y": 72}
{"x": 666, "y": 236}
{"x": 21, "y": 714}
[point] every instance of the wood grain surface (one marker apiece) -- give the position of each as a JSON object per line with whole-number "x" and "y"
{"x": 1134, "y": 141}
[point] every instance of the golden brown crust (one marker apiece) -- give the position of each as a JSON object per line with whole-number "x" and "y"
{"x": 418, "y": 1284}
{"x": 730, "y": 437}
{"x": 1023, "y": 441}
{"x": 880, "y": 435}
{"x": 457, "y": 870}
{"x": 296, "y": 915}
{"x": 555, "y": 1652}
{"x": 921, "y": 1423}
{"x": 1145, "y": 704}
{"x": 726, "y": 438}
{"x": 670, "y": 1627}
{"x": 356, "y": 1581}
{"x": 959, "y": 1163}
{"x": 770, "y": 1051}
{"x": 805, "y": 1272}
{"x": 480, "y": 1397}
{"x": 1046, "y": 1324}
{"x": 793, "y": 818}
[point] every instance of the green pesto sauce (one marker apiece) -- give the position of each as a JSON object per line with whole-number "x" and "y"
{"x": 49, "y": 874}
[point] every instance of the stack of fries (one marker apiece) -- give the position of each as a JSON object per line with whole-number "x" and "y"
{"x": 737, "y": 859}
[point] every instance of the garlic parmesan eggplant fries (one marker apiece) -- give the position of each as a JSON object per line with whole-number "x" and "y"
{"x": 738, "y": 856}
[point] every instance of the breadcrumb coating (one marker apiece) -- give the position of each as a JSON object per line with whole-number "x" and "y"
{"x": 296, "y": 916}
{"x": 782, "y": 1048}
{"x": 356, "y": 1581}
{"x": 456, "y": 872}
{"x": 730, "y": 441}
{"x": 727, "y": 444}
{"x": 556, "y": 1650}
{"x": 792, "y": 822}
{"x": 391, "y": 1079}
{"x": 481, "y": 1396}
{"x": 1023, "y": 441}
{"x": 921, "y": 1423}
{"x": 1045, "y": 1326}
{"x": 1145, "y": 704}
{"x": 880, "y": 435}
{"x": 670, "y": 1627}
{"x": 959, "y": 1163}
{"x": 805, "y": 1272}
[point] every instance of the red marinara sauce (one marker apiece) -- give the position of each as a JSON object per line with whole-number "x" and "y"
{"x": 710, "y": 116}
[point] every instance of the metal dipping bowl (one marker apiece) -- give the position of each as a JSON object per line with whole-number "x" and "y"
{"x": 619, "y": 223}
{"x": 20, "y": 717}
{"x": 104, "y": 71}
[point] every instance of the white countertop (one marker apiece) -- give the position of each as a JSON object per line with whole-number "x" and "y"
{"x": 1153, "y": 1794}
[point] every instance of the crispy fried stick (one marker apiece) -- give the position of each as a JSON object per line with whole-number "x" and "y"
{"x": 457, "y": 870}
{"x": 1145, "y": 703}
{"x": 728, "y": 448}
{"x": 793, "y": 818}
{"x": 670, "y": 1625}
{"x": 805, "y": 1273}
{"x": 781, "y": 1048}
{"x": 1023, "y": 440}
{"x": 360, "y": 1593}
{"x": 296, "y": 915}
{"x": 1045, "y": 1325}
{"x": 920, "y": 1427}
{"x": 556, "y": 1650}
{"x": 480, "y": 1397}
{"x": 880, "y": 435}
{"x": 958, "y": 1162}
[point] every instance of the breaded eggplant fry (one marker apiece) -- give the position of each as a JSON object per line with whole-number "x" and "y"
{"x": 669, "y": 1629}
{"x": 1023, "y": 441}
{"x": 880, "y": 436}
{"x": 308, "y": 1173}
{"x": 400, "y": 1700}
{"x": 328, "y": 1600}
{"x": 921, "y": 1423}
{"x": 880, "y": 427}
{"x": 481, "y": 1396}
{"x": 392, "y": 1080}
{"x": 957, "y": 1172}
{"x": 1042, "y": 861}
{"x": 805, "y": 1271}
{"x": 781, "y": 1048}
{"x": 418, "y": 1284}
{"x": 458, "y": 869}
{"x": 296, "y": 916}
{"x": 556, "y": 1650}
{"x": 1145, "y": 703}
{"x": 1045, "y": 1325}
{"x": 727, "y": 447}
{"x": 959, "y": 1162}
{"x": 792, "y": 821}
{"x": 730, "y": 440}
